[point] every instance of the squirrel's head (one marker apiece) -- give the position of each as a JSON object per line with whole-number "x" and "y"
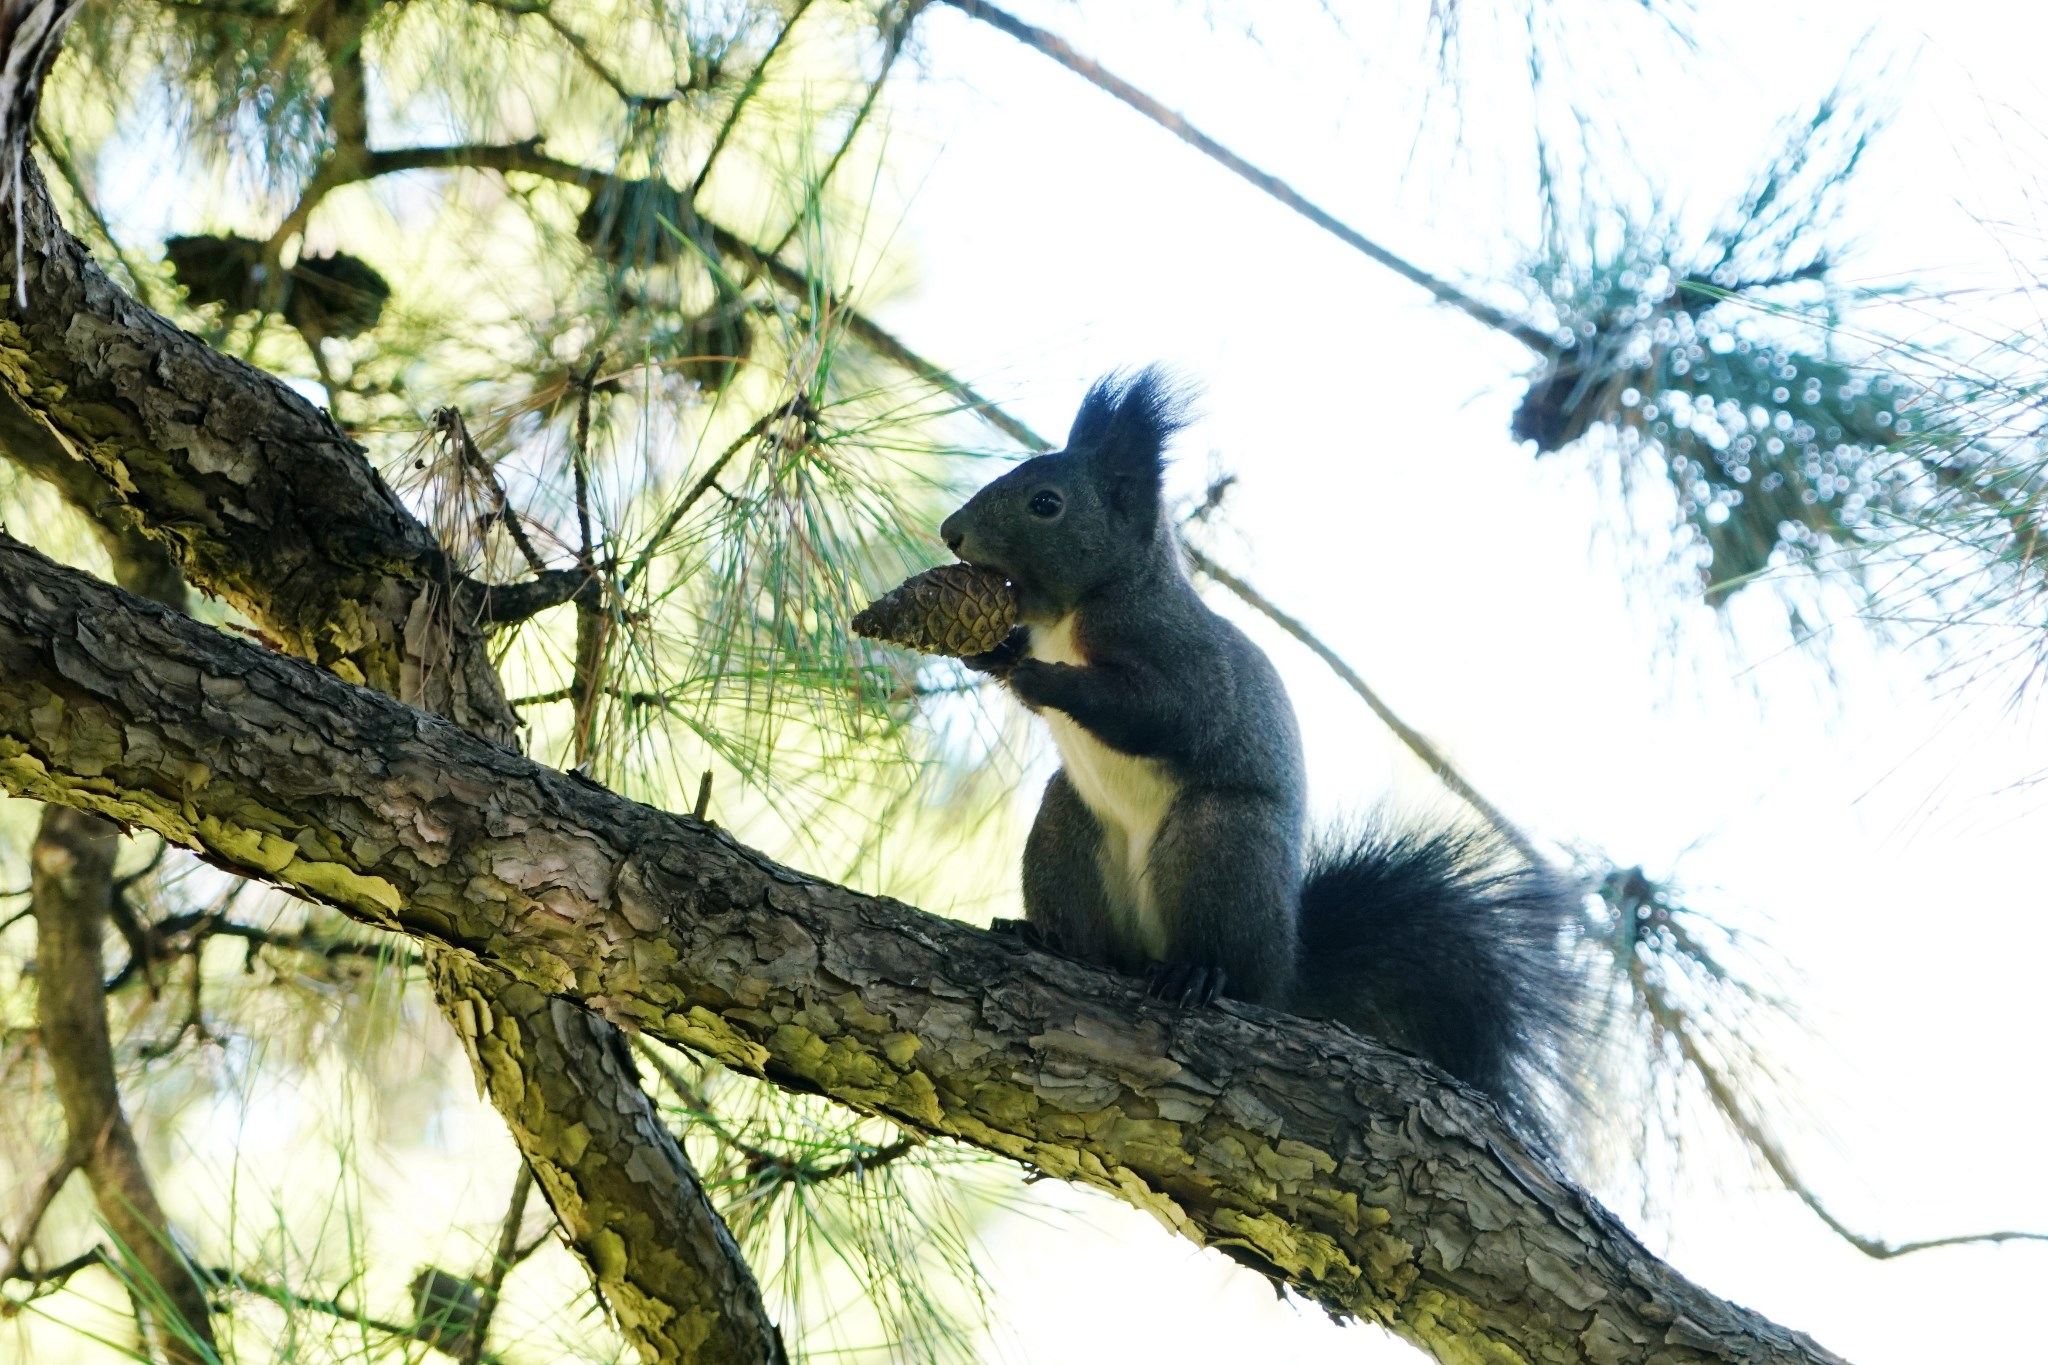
{"x": 1062, "y": 525}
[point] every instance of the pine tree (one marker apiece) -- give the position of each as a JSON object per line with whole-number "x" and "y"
{"x": 608, "y": 452}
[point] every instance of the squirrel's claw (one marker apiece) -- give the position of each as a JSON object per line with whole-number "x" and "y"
{"x": 1185, "y": 983}
{"x": 1025, "y": 932}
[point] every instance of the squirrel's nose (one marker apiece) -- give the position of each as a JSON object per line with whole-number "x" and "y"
{"x": 950, "y": 532}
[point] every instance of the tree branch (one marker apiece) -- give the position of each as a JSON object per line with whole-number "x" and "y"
{"x": 1360, "y": 1176}
{"x": 630, "y": 1205}
{"x": 528, "y": 157}
{"x": 1443, "y": 291}
{"x": 15, "y": 1266}
{"x": 740, "y": 101}
{"x": 493, "y": 1284}
{"x": 205, "y": 924}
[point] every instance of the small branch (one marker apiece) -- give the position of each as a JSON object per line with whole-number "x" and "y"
{"x": 579, "y": 46}
{"x": 740, "y": 101}
{"x": 703, "y": 485}
{"x": 1672, "y": 1021}
{"x": 53, "y": 1278}
{"x": 1413, "y": 738}
{"x": 501, "y": 1265}
{"x": 876, "y": 338}
{"x": 205, "y": 924}
{"x": 593, "y": 622}
{"x": 505, "y": 604}
{"x": 452, "y": 429}
{"x": 46, "y": 1194}
{"x": 891, "y": 50}
{"x": 579, "y": 458}
{"x": 869, "y": 1161}
{"x": 287, "y": 1297}
{"x": 1444, "y": 292}
{"x": 762, "y": 1161}
{"x": 528, "y": 157}
{"x": 703, "y": 808}
{"x": 631, "y": 698}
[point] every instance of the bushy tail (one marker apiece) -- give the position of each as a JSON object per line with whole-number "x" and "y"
{"x": 1446, "y": 944}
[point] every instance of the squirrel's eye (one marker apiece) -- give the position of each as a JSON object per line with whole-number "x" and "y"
{"x": 1046, "y": 503}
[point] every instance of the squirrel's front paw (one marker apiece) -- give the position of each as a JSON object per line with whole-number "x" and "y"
{"x": 998, "y": 662}
{"x": 1030, "y": 679}
{"x": 1184, "y": 983}
{"x": 1025, "y": 932}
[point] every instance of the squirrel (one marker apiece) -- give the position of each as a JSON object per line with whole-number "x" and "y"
{"x": 1172, "y": 843}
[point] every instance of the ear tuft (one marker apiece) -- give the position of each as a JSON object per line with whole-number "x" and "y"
{"x": 1124, "y": 425}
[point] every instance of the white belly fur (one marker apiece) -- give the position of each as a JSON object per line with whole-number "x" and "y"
{"x": 1128, "y": 796}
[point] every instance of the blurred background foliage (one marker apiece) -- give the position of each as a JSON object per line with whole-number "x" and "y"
{"x": 593, "y": 283}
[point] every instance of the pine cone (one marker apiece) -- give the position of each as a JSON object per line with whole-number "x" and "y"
{"x": 956, "y": 609}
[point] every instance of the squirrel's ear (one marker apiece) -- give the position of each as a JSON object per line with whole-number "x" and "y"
{"x": 1123, "y": 428}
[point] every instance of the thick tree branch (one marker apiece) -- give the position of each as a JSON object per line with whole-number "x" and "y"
{"x": 140, "y": 564}
{"x": 491, "y": 1288}
{"x": 1361, "y": 1176}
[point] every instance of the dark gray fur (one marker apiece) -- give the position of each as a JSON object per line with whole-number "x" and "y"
{"x": 1476, "y": 977}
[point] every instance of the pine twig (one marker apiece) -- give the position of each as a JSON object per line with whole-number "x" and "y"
{"x": 1671, "y": 1021}
{"x": 448, "y": 422}
{"x": 892, "y": 48}
{"x": 1443, "y": 291}
{"x": 697, "y": 491}
{"x": 46, "y": 1194}
{"x": 755, "y": 78}
{"x": 1431, "y": 756}
{"x": 580, "y": 463}
{"x": 202, "y": 925}
{"x": 493, "y": 1281}
{"x": 287, "y": 1297}
{"x": 52, "y": 1277}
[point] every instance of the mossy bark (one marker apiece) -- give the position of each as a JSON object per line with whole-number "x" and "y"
{"x": 1362, "y": 1177}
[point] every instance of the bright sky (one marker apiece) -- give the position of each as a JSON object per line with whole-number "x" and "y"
{"x": 1889, "y": 830}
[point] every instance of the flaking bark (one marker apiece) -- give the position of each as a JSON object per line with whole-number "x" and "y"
{"x": 1362, "y": 1177}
